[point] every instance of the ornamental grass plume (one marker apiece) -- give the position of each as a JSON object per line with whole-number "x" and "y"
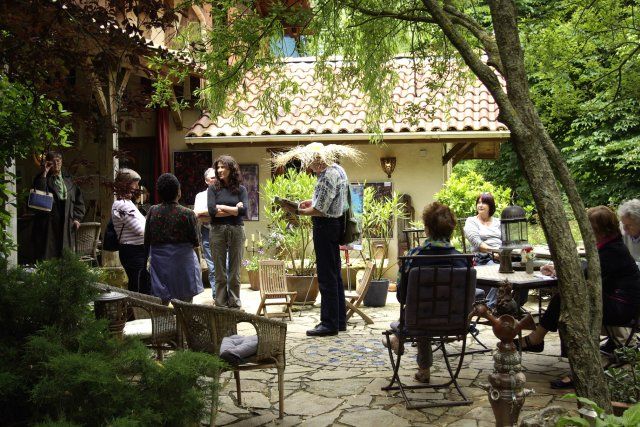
{"x": 307, "y": 154}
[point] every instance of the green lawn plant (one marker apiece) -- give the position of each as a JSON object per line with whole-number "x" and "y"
{"x": 630, "y": 418}
{"x": 290, "y": 235}
{"x": 378, "y": 215}
{"x": 624, "y": 382}
{"x": 60, "y": 366}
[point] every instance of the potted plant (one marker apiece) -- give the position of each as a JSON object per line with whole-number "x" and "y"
{"x": 377, "y": 230}
{"x": 290, "y": 235}
{"x": 624, "y": 382}
{"x": 252, "y": 263}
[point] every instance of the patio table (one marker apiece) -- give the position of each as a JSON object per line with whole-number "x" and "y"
{"x": 489, "y": 276}
{"x": 542, "y": 251}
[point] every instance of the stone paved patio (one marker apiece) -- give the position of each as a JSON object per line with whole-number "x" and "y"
{"x": 337, "y": 380}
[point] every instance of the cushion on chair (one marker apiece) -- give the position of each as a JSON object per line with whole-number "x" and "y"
{"x": 235, "y": 349}
{"x": 138, "y": 328}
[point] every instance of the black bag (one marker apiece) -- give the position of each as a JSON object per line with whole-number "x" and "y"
{"x": 351, "y": 231}
{"x": 111, "y": 240}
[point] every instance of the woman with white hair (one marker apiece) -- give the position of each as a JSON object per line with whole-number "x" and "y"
{"x": 129, "y": 225}
{"x": 629, "y": 214}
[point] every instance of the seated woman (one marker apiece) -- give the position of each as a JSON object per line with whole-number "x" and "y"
{"x": 620, "y": 284}
{"x": 439, "y": 223}
{"x": 172, "y": 236}
{"x": 483, "y": 232}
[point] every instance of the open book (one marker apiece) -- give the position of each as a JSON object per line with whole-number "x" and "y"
{"x": 285, "y": 202}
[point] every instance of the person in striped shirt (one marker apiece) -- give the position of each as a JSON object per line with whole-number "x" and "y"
{"x": 129, "y": 224}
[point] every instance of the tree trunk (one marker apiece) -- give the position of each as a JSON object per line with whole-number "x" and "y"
{"x": 529, "y": 137}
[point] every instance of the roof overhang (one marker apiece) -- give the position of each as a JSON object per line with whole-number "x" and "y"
{"x": 454, "y": 137}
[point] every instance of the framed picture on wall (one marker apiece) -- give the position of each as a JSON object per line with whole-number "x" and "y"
{"x": 189, "y": 167}
{"x": 250, "y": 181}
{"x": 381, "y": 190}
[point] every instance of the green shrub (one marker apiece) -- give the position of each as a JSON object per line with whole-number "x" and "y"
{"x": 460, "y": 192}
{"x": 59, "y": 366}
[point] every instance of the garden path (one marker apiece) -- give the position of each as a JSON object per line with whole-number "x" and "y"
{"x": 337, "y": 380}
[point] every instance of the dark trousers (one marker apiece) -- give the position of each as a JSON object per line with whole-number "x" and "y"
{"x": 134, "y": 260}
{"x": 614, "y": 313}
{"x": 326, "y": 233}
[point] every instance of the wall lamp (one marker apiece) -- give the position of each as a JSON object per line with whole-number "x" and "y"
{"x": 388, "y": 165}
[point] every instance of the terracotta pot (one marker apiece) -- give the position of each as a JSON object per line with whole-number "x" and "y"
{"x": 254, "y": 280}
{"x": 306, "y": 287}
{"x": 620, "y": 407}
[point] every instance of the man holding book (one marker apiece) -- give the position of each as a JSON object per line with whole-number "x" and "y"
{"x": 327, "y": 207}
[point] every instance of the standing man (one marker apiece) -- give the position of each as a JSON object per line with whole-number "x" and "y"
{"x": 55, "y": 230}
{"x": 327, "y": 207}
{"x": 629, "y": 214}
{"x": 202, "y": 212}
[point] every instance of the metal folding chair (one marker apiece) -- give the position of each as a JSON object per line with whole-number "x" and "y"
{"x": 438, "y": 302}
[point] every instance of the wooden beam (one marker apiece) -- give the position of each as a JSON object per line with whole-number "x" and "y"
{"x": 462, "y": 153}
{"x": 456, "y": 148}
{"x": 176, "y": 114}
{"x": 98, "y": 92}
{"x": 123, "y": 83}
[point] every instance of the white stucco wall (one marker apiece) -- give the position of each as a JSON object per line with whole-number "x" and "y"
{"x": 418, "y": 173}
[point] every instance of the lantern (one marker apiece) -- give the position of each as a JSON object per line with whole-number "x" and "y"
{"x": 514, "y": 235}
{"x": 113, "y": 307}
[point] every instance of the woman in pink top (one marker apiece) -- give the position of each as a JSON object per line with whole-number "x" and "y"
{"x": 129, "y": 224}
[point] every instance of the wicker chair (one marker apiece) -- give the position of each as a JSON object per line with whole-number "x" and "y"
{"x": 154, "y": 322}
{"x": 86, "y": 245}
{"x": 205, "y": 326}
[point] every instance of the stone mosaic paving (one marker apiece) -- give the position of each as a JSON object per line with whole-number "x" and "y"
{"x": 337, "y": 380}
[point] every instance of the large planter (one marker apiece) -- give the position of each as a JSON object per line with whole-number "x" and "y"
{"x": 377, "y": 294}
{"x": 306, "y": 288}
{"x": 254, "y": 279}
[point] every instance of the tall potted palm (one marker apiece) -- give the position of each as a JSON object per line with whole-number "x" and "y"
{"x": 378, "y": 214}
{"x": 291, "y": 236}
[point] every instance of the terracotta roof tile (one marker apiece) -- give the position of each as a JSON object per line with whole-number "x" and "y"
{"x": 474, "y": 109}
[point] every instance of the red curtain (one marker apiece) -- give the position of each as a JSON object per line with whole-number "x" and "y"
{"x": 163, "y": 157}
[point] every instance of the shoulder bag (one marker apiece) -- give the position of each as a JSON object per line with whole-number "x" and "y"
{"x": 351, "y": 231}
{"x": 40, "y": 200}
{"x": 111, "y": 240}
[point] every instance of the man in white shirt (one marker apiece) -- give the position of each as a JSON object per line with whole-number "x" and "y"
{"x": 202, "y": 212}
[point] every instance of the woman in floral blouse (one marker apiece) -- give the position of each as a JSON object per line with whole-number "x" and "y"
{"x": 171, "y": 235}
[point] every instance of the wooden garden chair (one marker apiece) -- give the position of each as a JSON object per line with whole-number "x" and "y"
{"x": 353, "y": 300}
{"x": 273, "y": 289}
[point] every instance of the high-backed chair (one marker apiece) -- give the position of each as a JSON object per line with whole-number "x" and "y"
{"x": 438, "y": 302}
{"x": 273, "y": 288}
{"x": 205, "y": 327}
{"x": 86, "y": 245}
{"x": 353, "y": 300}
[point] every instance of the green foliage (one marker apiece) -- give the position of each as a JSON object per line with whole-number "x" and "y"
{"x": 624, "y": 383}
{"x": 630, "y": 418}
{"x": 460, "y": 193}
{"x": 60, "y": 366}
{"x": 378, "y": 215}
{"x": 29, "y": 123}
{"x": 291, "y": 236}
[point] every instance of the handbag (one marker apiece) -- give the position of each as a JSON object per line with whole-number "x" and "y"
{"x": 40, "y": 200}
{"x": 111, "y": 240}
{"x": 351, "y": 231}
